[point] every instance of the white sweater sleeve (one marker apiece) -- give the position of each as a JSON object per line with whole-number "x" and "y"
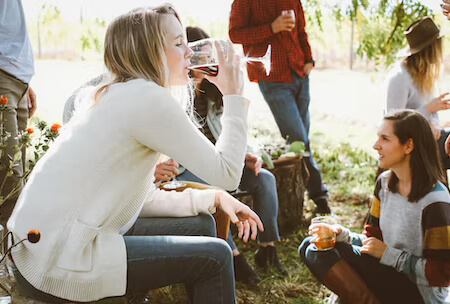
{"x": 156, "y": 120}
{"x": 190, "y": 202}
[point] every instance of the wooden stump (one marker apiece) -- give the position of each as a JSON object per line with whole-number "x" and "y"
{"x": 292, "y": 177}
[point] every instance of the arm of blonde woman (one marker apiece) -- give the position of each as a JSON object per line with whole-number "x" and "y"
{"x": 439, "y": 103}
{"x": 246, "y": 220}
{"x": 192, "y": 202}
{"x": 161, "y": 124}
{"x": 156, "y": 120}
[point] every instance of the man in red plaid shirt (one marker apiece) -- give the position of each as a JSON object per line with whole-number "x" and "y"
{"x": 256, "y": 24}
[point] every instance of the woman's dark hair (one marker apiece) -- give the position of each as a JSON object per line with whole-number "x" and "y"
{"x": 425, "y": 164}
{"x": 207, "y": 89}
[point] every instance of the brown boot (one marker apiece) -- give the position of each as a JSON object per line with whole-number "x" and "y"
{"x": 348, "y": 285}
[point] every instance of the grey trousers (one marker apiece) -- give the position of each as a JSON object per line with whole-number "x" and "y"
{"x": 15, "y": 121}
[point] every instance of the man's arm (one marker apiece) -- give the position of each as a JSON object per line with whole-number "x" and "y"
{"x": 302, "y": 35}
{"x": 240, "y": 31}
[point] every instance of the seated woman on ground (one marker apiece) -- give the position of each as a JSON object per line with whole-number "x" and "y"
{"x": 92, "y": 195}
{"x": 403, "y": 255}
{"x": 259, "y": 182}
{"x": 413, "y": 83}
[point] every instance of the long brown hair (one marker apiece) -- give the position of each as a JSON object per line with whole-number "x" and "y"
{"x": 425, "y": 67}
{"x": 425, "y": 164}
{"x": 134, "y": 46}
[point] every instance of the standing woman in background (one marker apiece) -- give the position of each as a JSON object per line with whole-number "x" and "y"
{"x": 413, "y": 84}
{"x": 86, "y": 194}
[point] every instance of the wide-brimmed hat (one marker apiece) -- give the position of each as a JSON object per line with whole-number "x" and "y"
{"x": 420, "y": 34}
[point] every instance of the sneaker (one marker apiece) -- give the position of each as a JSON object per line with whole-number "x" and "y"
{"x": 322, "y": 207}
{"x": 243, "y": 272}
{"x": 266, "y": 257}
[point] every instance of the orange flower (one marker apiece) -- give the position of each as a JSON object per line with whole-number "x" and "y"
{"x": 3, "y": 100}
{"x": 55, "y": 127}
{"x": 33, "y": 236}
{"x": 30, "y": 130}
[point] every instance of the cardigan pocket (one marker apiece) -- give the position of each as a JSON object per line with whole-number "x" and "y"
{"x": 76, "y": 254}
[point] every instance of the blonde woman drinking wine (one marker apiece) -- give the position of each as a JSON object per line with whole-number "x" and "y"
{"x": 95, "y": 183}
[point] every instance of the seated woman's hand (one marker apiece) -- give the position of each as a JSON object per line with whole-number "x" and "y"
{"x": 374, "y": 247}
{"x": 165, "y": 171}
{"x": 324, "y": 231}
{"x": 247, "y": 221}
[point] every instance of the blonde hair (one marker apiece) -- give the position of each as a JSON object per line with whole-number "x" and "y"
{"x": 134, "y": 46}
{"x": 425, "y": 67}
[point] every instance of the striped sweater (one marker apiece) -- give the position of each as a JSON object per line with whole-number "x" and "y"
{"x": 417, "y": 235}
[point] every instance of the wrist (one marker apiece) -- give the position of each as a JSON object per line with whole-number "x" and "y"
{"x": 311, "y": 61}
{"x": 218, "y": 199}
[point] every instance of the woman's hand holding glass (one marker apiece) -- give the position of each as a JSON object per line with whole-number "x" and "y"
{"x": 324, "y": 231}
{"x": 246, "y": 220}
{"x": 230, "y": 80}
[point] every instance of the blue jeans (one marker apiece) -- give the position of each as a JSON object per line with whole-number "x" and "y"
{"x": 444, "y": 157}
{"x": 289, "y": 103}
{"x": 386, "y": 283}
{"x": 157, "y": 258}
{"x": 263, "y": 188}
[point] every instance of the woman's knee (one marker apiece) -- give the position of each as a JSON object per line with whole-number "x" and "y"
{"x": 206, "y": 225}
{"x": 302, "y": 248}
{"x": 220, "y": 251}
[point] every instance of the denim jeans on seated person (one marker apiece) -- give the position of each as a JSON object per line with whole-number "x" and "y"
{"x": 263, "y": 188}
{"x": 289, "y": 103}
{"x": 441, "y": 148}
{"x": 156, "y": 257}
{"x": 386, "y": 283}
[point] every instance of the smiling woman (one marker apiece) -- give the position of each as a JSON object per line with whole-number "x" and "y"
{"x": 96, "y": 207}
{"x": 403, "y": 255}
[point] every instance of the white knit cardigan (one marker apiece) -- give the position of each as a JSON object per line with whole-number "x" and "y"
{"x": 98, "y": 174}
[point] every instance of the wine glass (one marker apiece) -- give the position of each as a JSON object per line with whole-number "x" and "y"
{"x": 323, "y": 243}
{"x": 205, "y": 59}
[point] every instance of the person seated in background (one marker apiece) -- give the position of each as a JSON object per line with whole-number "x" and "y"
{"x": 403, "y": 255}
{"x": 412, "y": 84}
{"x": 92, "y": 195}
{"x": 260, "y": 183}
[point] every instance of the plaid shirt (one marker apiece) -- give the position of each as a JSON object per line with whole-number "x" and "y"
{"x": 250, "y": 22}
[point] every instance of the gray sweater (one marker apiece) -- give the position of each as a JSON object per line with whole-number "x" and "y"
{"x": 402, "y": 94}
{"x": 417, "y": 235}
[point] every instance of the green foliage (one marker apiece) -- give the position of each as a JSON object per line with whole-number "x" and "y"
{"x": 380, "y": 25}
{"x": 92, "y": 35}
{"x": 24, "y": 140}
{"x": 383, "y": 32}
{"x": 346, "y": 169}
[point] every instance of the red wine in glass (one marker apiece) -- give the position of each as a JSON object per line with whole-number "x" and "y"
{"x": 207, "y": 69}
